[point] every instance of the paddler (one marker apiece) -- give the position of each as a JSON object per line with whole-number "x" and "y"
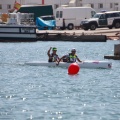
{"x": 70, "y": 58}
{"x": 53, "y": 57}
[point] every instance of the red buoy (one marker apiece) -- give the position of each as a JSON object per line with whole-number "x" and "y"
{"x": 73, "y": 68}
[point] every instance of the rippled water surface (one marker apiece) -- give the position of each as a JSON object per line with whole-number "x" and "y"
{"x": 49, "y": 93}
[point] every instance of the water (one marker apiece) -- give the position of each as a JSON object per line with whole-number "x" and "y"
{"x": 49, "y": 93}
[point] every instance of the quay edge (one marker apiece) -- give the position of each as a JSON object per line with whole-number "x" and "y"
{"x": 57, "y": 37}
{"x": 69, "y": 37}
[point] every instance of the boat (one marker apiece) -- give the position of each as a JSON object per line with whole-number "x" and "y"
{"x": 84, "y": 64}
{"x": 19, "y": 27}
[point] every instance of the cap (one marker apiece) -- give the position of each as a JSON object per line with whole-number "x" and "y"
{"x": 54, "y": 48}
{"x": 73, "y": 50}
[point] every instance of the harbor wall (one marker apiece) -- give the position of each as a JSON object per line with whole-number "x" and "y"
{"x": 58, "y": 37}
{"x": 72, "y": 38}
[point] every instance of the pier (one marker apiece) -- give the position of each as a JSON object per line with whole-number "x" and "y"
{"x": 70, "y": 37}
{"x": 98, "y": 35}
{"x": 116, "y": 55}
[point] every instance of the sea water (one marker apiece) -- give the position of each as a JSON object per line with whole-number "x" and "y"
{"x": 49, "y": 93}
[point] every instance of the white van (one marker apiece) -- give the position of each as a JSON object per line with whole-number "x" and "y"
{"x": 72, "y": 16}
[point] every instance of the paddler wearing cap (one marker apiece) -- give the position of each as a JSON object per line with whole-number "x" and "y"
{"x": 70, "y": 58}
{"x": 53, "y": 57}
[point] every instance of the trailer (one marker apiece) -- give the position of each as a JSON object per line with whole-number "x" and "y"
{"x": 70, "y": 17}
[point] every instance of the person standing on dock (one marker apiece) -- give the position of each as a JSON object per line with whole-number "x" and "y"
{"x": 63, "y": 23}
{"x": 53, "y": 57}
{"x": 70, "y": 58}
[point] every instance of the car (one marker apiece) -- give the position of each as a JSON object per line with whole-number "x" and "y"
{"x": 104, "y": 19}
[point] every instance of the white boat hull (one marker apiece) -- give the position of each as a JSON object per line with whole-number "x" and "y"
{"x": 85, "y": 64}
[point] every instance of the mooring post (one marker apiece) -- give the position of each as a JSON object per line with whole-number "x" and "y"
{"x": 117, "y": 49}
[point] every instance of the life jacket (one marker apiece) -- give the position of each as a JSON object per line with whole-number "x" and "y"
{"x": 72, "y": 58}
{"x": 53, "y": 58}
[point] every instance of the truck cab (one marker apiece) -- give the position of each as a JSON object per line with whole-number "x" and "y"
{"x": 107, "y": 19}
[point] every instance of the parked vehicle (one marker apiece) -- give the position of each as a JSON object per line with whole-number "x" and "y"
{"x": 70, "y": 17}
{"x": 105, "y": 19}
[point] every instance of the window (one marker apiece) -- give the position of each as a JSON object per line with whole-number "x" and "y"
{"x": 0, "y": 6}
{"x": 111, "y": 5}
{"x": 97, "y": 16}
{"x": 109, "y": 15}
{"x": 61, "y": 14}
{"x": 93, "y": 13}
{"x": 56, "y": 6}
{"x": 81, "y": 4}
{"x": 49, "y": 17}
{"x": 102, "y": 16}
{"x": 100, "y": 5}
{"x": 116, "y": 14}
{"x": 92, "y": 5}
{"x": 8, "y": 6}
{"x": 115, "y": 3}
{"x": 57, "y": 14}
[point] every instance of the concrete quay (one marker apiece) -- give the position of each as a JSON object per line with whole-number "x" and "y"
{"x": 103, "y": 31}
{"x": 98, "y": 35}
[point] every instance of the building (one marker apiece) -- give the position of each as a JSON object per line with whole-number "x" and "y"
{"x": 5, "y": 5}
{"x": 98, "y": 5}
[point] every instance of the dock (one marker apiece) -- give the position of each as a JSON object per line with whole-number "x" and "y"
{"x": 116, "y": 55}
{"x": 98, "y": 35}
{"x": 70, "y": 37}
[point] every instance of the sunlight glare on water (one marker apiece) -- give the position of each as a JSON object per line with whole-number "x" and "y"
{"x": 38, "y": 92}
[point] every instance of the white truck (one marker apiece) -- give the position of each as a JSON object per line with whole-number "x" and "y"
{"x": 70, "y": 17}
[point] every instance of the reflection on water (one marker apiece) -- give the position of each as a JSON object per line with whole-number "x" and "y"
{"x": 35, "y": 92}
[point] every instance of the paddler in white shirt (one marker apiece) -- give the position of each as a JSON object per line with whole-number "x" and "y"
{"x": 53, "y": 57}
{"x": 70, "y": 58}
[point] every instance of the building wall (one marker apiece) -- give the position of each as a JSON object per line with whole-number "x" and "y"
{"x": 108, "y": 5}
{"x": 54, "y": 3}
{"x": 5, "y": 3}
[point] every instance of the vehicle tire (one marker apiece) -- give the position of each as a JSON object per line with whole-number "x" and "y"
{"x": 117, "y": 25}
{"x": 110, "y": 27}
{"x": 92, "y": 26}
{"x": 70, "y": 26}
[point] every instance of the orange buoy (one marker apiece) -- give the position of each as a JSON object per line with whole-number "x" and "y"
{"x": 73, "y": 69}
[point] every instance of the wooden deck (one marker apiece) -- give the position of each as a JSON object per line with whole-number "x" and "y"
{"x": 116, "y": 57}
